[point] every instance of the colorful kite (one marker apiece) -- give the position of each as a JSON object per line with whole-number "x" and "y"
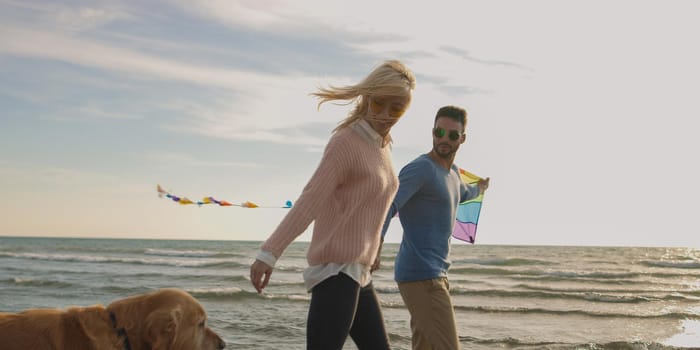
{"x": 468, "y": 212}
{"x": 211, "y": 200}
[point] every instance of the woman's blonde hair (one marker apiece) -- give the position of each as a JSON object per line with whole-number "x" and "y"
{"x": 391, "y": 78}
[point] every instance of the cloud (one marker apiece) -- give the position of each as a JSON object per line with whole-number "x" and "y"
{"x": 44, "y": 45}
{"x": 69, "y": 18}
{"x": 187, "y": 160}
{"x": 294, "y": 20}
{"x": 468, "y": 57}
{"x": 221, "y": 114}
{"x": 210, "y": 89}
{"x": 90, "y": 111}
{"x": 86, "y": 18}
{"x": 41, "y": 176}
{"x": 283, "y": 115}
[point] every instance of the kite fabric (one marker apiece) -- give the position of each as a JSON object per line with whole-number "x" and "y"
{"x": 211, "y": 200}
{"x": 468, "y": 212}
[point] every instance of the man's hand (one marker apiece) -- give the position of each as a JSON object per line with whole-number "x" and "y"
{"x": 378, "y": 260}
{"x": 483, "y": 185}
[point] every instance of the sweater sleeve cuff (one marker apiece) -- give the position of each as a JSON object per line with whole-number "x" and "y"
{"x": 267, "y": 258}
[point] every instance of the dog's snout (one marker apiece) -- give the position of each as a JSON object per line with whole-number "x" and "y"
{"x": 218, "y": 342}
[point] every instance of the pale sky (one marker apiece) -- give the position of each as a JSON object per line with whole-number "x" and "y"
{"x": 584, "y": 114}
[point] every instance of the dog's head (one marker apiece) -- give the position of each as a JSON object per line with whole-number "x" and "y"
{"x": 165, "y": 319}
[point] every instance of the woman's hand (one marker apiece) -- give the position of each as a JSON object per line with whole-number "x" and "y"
{"x": 260, "y": 273}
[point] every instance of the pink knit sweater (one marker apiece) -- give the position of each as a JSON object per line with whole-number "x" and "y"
{"x": 347, "y": 198}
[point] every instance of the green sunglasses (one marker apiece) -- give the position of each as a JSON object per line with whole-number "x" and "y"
{"x": 454, "y": 135}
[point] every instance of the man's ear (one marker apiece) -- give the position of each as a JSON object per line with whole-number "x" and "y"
{"x": 162, "y": 326}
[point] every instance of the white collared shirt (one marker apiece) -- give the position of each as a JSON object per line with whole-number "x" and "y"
{"x": 363, "y": 128}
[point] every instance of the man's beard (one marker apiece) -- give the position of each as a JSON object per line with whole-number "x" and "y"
{"x": 444, "y": 155}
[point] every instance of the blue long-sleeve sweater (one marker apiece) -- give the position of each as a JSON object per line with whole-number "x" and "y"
{"x": 426, "y": 201}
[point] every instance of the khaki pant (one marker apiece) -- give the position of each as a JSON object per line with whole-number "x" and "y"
{"x": 432, "y": 317}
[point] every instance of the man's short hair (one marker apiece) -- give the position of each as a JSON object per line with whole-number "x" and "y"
{"x": 453, "y": 112}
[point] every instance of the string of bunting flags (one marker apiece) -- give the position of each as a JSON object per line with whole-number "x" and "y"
{"x": 213, "y": 201}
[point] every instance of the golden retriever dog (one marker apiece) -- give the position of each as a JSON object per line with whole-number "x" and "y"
{"x": 166, "y": 319}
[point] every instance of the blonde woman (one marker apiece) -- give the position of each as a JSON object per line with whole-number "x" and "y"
{"x": 347, "y": 198}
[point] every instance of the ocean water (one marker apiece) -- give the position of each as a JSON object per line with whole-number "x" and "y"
{"x": 505, "y": 297}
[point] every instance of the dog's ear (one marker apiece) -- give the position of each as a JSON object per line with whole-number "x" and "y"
{"x": 88, "y": 328}
{"x": 162, "y": 326}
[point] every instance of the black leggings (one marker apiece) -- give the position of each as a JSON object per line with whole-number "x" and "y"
{"x": 340, "y": 307}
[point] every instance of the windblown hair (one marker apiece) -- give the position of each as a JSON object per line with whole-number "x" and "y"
{"x": 391, "y": 78}
{"x": 453, "y": 112}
